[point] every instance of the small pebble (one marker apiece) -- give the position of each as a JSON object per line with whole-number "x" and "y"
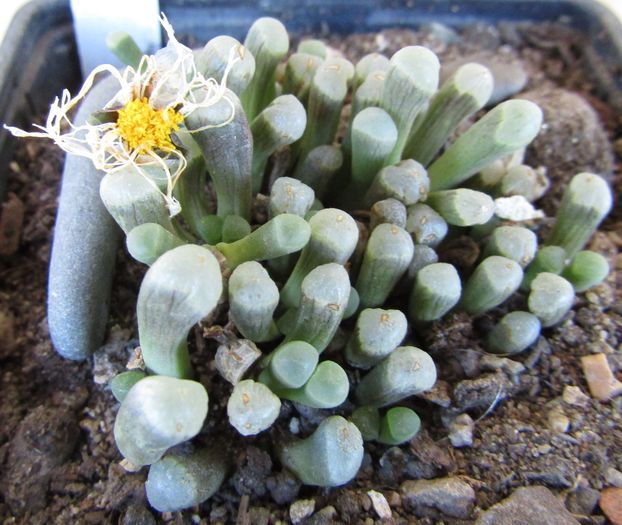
{"x": 613, "y": 477}
{"x": 394, "y": 499}
{"x": 611, "y": 504}
{"x": 365, "y": 503}
{"x": 509, "y": 366}
{"x": 601, "y": 381}
{"x": 542, "y": 450}
{"x": 390, "y": 466}
{"x": 438, "y": 394}
{"x": 325, "y": 516}
{"x": 558, "y": 421}
{"x": 582, "y": 500}
{"x": 283, "y": 487}
{"x": 573, "y": 395}
{"x": 136, "y": 361}
{"x": 461, "y": 431}
{"x": 350, "y": 503}
{"x": 528, "y": 506}
{"x": 128, "y": 466}
{"x": 301, "y": 509}
{"x": 485, "y": 392}
{"x": 452, "y": 496}
{"x": 552, "y": 471}
{"x": 380, "y": 504}
{"x": 294, "y": 425}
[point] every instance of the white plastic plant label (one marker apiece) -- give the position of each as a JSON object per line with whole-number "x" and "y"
{"x": 93, "y": 20}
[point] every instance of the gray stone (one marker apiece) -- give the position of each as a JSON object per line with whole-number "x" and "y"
{"x": 483, "y": 392}
{"x": 528, "y": 506}
{"x": 509, "y": 366}
{"x": 552, "y": 470}
{"x": 583, "y": 500}
{"x": 325, "y": 516}
{"x": 613, "y": 477}
{"x": 450, "y": 496}
{"x": 391, "y": 464}
{"x": 283, "y": 487}
{"x": 428, "y": 459}
{"x": 83, "y": 251}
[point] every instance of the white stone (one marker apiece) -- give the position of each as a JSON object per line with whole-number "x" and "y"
{"x": 301, "y": 509}
{"x": 573, "y": 395}
{"x": 600, "y": 379}
{"x": 380, "y": 504}
{"x": 461, "y": 431}
{"x": 557, "y": 420}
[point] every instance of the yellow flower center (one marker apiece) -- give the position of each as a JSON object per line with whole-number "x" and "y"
{"x": 145, "y": 128}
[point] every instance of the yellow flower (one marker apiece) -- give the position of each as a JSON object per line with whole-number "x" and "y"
{"x": 146, "y": 129}
{"x": 151, "y": 104}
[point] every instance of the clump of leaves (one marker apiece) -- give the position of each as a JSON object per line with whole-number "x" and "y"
{"x": 351, "y": 223}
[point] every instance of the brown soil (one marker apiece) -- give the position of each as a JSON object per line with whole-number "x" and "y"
{"x": 58, "y": 460}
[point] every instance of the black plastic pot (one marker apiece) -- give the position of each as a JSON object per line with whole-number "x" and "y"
{"x": 38, "y": 55}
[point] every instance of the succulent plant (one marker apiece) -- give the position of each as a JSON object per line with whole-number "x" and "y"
{"x": 273, "y": 268}
{"x": 329, "y": 457}
{"x": 185, "y": 478}
{"x": 157, "y": 413}
{"x": 586, "y": 202}
{"x": 514, "y": 333}
{"x": 376, "y": 334}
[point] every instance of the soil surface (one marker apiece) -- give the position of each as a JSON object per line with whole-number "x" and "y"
{"x": 532, "y": 418}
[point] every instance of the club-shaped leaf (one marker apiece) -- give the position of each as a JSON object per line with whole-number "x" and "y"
{"x": 158, "y": 412}
{"x": 183, "y": 286}
{"x": 329, "y": 457}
